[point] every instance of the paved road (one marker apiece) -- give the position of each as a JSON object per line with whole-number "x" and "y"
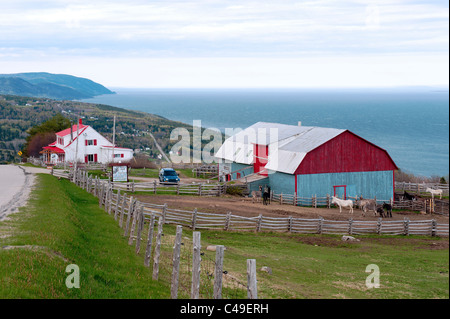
{"x": 15, "y": 186}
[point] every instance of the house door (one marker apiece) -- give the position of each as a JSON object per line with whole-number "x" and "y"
{"x": 340, "y": 191}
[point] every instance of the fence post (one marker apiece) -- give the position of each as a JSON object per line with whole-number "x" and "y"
{"x": 164, "y": 211}
{"x": 176, "y": 263}
{"x": 350, "y": 226}
{"x": 194, "y": 218}
{"x": 116, "y": 210}
{"x": 122, "y": 211}
{"x": 196, "y": 260}
{"x": 130, "y": 212}
{"x": 140, "y": 227}
{"x": 258, "y": 223}
{"x": 110, "y": 199}
{"x": 100, "y": 197}
{"x": 290, "y": 224}
{"x": 433, "y": 227}
{"x": 200, "y": 190}
{"x": 328, "y": 201}
{"x": 154, "y": 187}
{"x": 157, "y": 249}
{"x": 133, "y": 225}
{"x": 148, "y": 250}
{"x": 218, "y": 273}
{"x": 379, "y": 226}
{"x": 227, "y": 221}
{"x": 406, "y": 226}
{"x": 320, "y": 225}
{"x": 281, "y": 199}
{"x": 252, "y": 292}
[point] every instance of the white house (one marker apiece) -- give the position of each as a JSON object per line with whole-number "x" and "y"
{"x": 92, "y": 147}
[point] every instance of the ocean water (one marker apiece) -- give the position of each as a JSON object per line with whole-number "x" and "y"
{"x": 411, "y": 124}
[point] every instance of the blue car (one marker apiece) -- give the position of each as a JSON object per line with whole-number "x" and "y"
{"x": 168, "y": 176}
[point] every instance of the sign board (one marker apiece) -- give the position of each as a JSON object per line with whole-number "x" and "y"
{"x": 120, "y": 173}
{"x": 224, "y": 169}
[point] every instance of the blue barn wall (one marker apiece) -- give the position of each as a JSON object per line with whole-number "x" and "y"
{"x": 237, "y": 166}
{"x": 367, "y": 184}
{"x": 254, "y": 186}
{"x": 281, "y": 182}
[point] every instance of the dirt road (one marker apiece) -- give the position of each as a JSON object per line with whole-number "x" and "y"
{"x": 15, "y": 186}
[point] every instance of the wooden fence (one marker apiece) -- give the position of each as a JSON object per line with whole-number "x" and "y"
{"x": 187, "y": 272}
{"x": 418, "y": 188}
{"x": 199, "y": 220}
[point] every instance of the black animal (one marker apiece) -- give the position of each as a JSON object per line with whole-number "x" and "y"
{"x": 408, "y": 196}
{"x": 388, "y": 209}
{"x": 266, "y": 196}
{"x": 380, "y": 211}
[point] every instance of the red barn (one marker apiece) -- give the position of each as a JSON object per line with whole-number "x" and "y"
{"x": 310, "y": 161}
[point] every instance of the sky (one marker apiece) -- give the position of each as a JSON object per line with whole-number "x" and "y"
{"x": 230, "y": 44}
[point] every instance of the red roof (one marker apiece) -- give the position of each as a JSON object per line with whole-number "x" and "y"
{"x": 54, "y": 149}
{"x": 74, "y": 129}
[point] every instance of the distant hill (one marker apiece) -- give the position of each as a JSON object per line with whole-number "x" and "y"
{"x": 55, "y": 86}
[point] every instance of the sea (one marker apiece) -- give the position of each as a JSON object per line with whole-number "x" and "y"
{"x": 412, "y": 124}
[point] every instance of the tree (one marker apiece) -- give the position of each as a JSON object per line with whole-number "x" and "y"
{"x": 43, "y": 134}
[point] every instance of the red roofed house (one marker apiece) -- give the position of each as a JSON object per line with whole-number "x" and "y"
{"x": 92, "y": 147}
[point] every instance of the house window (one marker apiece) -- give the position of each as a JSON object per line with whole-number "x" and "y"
{"x": 118, "y": 155}
{"x": 91, "y": 142}
{"x": 92, "y": 157}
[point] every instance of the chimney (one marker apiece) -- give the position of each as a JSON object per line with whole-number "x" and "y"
{"x": 299, "y": 123}
{"x": 80, "y": 121}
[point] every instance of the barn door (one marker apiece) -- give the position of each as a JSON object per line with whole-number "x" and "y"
{"x": 340, "y": 191}
{"x": 260, "y": 158}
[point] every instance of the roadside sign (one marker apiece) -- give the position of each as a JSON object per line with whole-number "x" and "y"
{"x": 20, "y": 153}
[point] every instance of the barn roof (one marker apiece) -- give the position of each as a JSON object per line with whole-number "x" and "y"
{"x": 290, "y": 142}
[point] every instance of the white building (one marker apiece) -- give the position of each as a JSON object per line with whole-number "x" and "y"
{"x": 92, "y": 147}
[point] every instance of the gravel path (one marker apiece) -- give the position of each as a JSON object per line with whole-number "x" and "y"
{"x": 15, "y": 186}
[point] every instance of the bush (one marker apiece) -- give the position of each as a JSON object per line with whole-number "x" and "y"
{"x": 234, "y": 190}
{"x": 142, "y": 161}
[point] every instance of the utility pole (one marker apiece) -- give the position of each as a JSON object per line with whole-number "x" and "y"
{"x": 114, "y": 138}
{"x": 76, "y": 152}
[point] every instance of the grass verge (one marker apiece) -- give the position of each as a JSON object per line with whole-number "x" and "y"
{"x": 63, "y": 225}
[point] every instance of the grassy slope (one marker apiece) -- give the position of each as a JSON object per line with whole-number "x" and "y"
{"x": 67, "y": 222}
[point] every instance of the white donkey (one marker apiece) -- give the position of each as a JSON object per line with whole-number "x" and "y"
{"x": 435, "y": 192}
{"x": 343, "y": 203}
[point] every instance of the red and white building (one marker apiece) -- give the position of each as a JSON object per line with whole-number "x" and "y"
{"x": 92, "y": 147}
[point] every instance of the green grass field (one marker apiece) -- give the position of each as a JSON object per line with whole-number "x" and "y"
{"x": 63, "y": 225}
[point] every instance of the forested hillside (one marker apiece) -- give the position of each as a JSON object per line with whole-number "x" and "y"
{"x": 18, "y": 114}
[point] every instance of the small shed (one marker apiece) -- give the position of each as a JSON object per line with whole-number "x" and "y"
{"x": 307, "y": 161}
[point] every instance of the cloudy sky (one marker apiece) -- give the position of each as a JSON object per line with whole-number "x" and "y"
{"x": 219, "y": 43}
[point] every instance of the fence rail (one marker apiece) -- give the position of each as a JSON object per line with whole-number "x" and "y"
{"x": 200, "y": 220}
{"x": 421, "y": 187}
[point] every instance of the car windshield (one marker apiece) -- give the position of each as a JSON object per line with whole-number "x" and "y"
{"x": 170, "y": 173}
